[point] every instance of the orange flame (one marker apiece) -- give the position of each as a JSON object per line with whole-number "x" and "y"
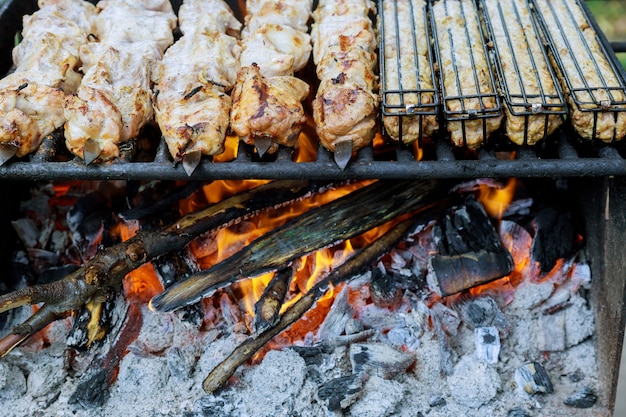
{"x": 496, "y": 200}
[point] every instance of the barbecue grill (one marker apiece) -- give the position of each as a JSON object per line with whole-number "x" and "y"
{"x": 562, "y": 154}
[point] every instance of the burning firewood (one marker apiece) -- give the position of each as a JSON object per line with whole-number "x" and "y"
{"x": 349, "y": 216}
{"x": 350, "y": 268}
{"x": 267, "y": 309}
{"x": 108, "y": 268}
{"x": 471, "y": 252}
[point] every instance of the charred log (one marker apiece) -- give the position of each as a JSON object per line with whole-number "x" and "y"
{"x": 354, "y": 265}
{"x": 108, "y": 268}
{"x": 344, "y": 218}
{"x": 554, "y": 237}
{"x": 470, "y": 251}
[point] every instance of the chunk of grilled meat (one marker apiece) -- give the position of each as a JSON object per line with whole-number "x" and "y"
{"x": 344, "y": 44}
{"x": 468, "y": 89}
{"x": 527, "y": 76}
{"x": 114, "y": 100}
{"x": 192, "y": 81}
{"x": 46, "y": 68}
{"x": 267, "y": 97}
{"x": 594, "y": 91}
{"x": 268, "y": 107}
{"x": 408, "y": 71}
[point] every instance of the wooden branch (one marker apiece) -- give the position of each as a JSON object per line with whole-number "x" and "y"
{"x": 354, "y": 265}
{"x": 108, "y": 268}
{"x": 344, "y": 218}
{"x": 267, "y": 309}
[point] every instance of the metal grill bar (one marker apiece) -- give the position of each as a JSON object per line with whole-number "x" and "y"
{"x": 527, "y": 162}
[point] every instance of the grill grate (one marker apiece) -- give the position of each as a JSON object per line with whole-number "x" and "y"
{"x": 586, "y": 98}
{"x": 522, "y": 102}
{"x": 561, "y": 158}
{"x": 562, "y": 154}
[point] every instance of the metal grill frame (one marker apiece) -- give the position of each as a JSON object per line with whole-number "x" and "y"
{"x": 443, "y": 162}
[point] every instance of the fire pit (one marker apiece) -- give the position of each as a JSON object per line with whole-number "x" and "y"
{"x": 384, "y": 343}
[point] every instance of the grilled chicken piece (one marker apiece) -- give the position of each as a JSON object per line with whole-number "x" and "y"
{"x": 267, "y": 97}
{"x": 114, "y": 100}
{"x": 344, "y": 46}
{"x": 192, "y": 81}
{"x": 468, "y": 89}
{"x": 46, "y": 68}
{"x": 527, "y": 76}
{"x": 594, "y": 91}
{"x": 408, "y": 71}
{"x": 268, "y": 107}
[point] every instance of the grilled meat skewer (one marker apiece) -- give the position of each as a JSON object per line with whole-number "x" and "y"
{"x": 46, "y": 69}
{"x": 344, "y": 45}
{"x": 408, "y": 70}
{"x": 114, "y": 100}
{"x": 267, "y": 99}
{"x": 595, "y": 93}
{"x": 193, "y": 79}
{"x": 527, "y": 74}
{"x": 468, "y": 89}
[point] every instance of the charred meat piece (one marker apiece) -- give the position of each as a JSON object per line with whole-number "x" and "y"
{"x": 268, "y": 106}
{"x": 267, "y": 97}
{"x": 192, "y": 104}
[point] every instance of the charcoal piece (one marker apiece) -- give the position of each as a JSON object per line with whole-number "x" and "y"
{"x": 81, "y": 336}
{"x": 533, "y": 379}
{"x": 554, "y": 237}
{"x": 379, "y": 359}
{"x": 175, "y": 266}
{"x": 436, "y": 401}
{"x": 470, "y": 251}
{"x": 483, "y": 312}
{"x": 335, "y": 322}
{"x": 583, "y": 398}
{"x": 340, "y": 393}
{"x": 313, "y": 355}
{"x": 92, "y": 390}
{"x": 384, "y": 289}
{"x": 518, "y": 412}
